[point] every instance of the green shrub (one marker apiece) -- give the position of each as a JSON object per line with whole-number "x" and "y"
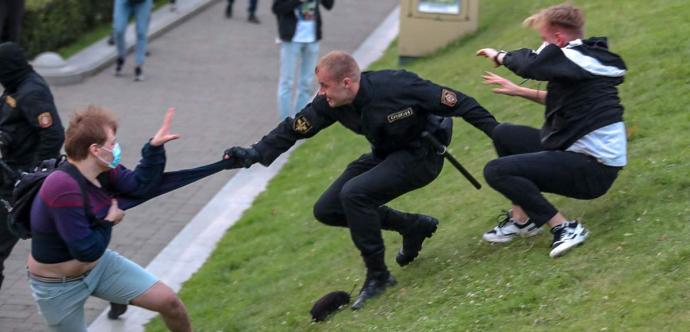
{"x": 49, "y": 25}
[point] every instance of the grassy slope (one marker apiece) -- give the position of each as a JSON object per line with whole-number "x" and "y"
{"x": 632, "y": 274}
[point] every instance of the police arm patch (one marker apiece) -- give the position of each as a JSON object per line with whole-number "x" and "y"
{"x": 449, "y": 98}
{"x": 302, "y": 124}
{"x": 45, "y": 120}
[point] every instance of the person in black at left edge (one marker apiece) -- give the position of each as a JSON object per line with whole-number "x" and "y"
{"x": 11, "y": 16}
{"x": 391, "y": 108}
{"x": 30, "y": 128}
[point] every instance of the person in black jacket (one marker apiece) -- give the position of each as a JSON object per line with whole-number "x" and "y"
{"x": 299, "y": 29}
{"x": 11, "y": 16}
{"x": 582, "y": 145}
{"x": 30, "y": 128}
{"x": 391, "y": 108}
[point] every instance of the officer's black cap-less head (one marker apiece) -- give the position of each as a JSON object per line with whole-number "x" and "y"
{"x": 338, "y": 74}
{"x": 13, "y": 65}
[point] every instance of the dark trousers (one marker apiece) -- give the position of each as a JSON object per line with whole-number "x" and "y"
{"x": 356, "y": 199}
{"x": 252, "y": 6}
{"x": 11, "y": 15}
{"x": 7, "y": 239}
{"x": 524, "y": 170}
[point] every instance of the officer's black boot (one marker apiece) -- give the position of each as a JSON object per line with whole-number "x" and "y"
{"x": 423, "y": 227}
{"x": 378, "y": 278}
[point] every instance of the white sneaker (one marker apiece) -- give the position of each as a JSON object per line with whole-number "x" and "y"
{"x": 507, "y": 229}
{"x": 567, "y": 236}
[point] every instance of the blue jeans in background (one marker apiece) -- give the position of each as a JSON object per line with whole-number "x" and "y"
{"x": 142, "y": 14}
{"x": 292, "y": 57}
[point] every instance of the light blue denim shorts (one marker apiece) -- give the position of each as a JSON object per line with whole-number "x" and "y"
{"x": 114, "y": 279}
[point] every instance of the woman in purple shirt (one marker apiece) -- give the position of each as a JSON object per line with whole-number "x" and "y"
{"x": 69, "y": 258}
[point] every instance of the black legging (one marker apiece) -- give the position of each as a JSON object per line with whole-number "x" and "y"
{"x": 356, "y": 199}
{"x": 524, "y": 170}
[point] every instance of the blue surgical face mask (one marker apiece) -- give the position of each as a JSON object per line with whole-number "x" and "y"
{"x": 117, "y": 154}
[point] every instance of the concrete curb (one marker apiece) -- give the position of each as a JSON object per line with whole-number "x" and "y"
{"x": 188, "y": 251}
{"x": 100, "y": 55}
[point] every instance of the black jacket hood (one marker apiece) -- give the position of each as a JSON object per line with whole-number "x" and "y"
{"x": 13, "y": 66}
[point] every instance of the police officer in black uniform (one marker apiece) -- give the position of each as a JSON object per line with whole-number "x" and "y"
{"x": 391, "y": 109}
{"x": 30, "y": 128}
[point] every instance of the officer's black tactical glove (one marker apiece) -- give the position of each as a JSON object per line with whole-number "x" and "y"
{"x": 241, "y": 157}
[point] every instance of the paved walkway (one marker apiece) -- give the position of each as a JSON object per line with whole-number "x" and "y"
{"x": 221, "y": 76}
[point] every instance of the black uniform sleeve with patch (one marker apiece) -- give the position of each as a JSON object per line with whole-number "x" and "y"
{"x": 549, "y": 65}
{"x": 41, "y": 113}
{"x": 309, "y": 121}
{"x": 447, "y": 102}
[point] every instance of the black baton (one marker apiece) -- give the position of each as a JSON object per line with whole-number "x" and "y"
{"x": 443, "y": 150}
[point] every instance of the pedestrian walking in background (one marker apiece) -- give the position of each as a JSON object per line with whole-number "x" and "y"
{"x": 141, "y": 10}
{"x": 251, "y": 10}
{"x": 299, "y": 30}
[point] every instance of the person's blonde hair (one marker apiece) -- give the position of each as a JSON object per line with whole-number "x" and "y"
{"x": 339, "y": 65}
{"x": 86, "y": 127}
{"x": 565, "y": 16}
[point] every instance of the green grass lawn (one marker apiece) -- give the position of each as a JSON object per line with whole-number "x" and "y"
{"x": 633, "y": 274}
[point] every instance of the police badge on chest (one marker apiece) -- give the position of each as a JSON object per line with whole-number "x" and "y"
{"x": 406, "y": 113}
